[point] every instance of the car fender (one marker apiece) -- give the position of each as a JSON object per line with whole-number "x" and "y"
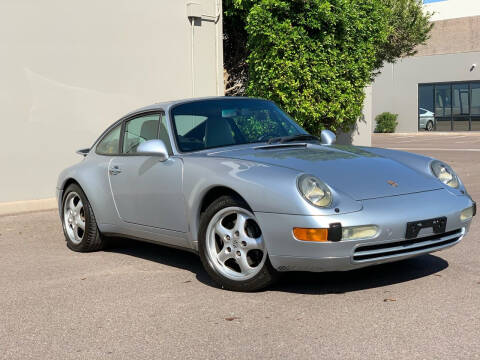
{"x": 92, "y": 176}
{"x": 265, "y": 188}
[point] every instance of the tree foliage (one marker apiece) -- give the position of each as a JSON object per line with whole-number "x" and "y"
{"x": 314, "y": 57}
{"x": 408, "y": 26}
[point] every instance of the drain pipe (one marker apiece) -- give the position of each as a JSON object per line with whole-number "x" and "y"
{"x": 195, "y": 13}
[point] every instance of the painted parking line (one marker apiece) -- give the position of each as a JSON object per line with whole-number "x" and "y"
{"x": 434, "y": 149}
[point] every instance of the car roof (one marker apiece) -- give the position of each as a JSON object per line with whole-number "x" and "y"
{"x": 166, "y": 105}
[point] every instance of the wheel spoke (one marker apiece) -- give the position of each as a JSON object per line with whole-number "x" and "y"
{"x": 81, "y": 223}
{"x": 240, "y": 224}
{"x": 224, "y": 255}
{"x": 222, "y": 231}
{"x": 79, "y": 206}
{"x": 253, "y": 243}
{"x": 71, "y": 204}
{"x": 243, "y": 263}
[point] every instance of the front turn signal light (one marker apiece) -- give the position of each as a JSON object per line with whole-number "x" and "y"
{"x": 304, "y": 234}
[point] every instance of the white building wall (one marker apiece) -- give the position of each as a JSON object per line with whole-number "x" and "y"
{"x": 452, "y": 9}
{"x": 69, "y": 68}
{"x": 396, "y": 89}
{"x": 448, "y": 56}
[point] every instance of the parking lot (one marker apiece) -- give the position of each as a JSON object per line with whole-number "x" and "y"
{"x": 142, "y": 301}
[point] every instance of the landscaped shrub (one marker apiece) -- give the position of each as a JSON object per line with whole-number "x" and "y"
{"x": 386, "y": 122}
{"x": 315, "y": 57}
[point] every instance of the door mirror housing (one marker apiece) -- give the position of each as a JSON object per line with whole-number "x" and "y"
{"x": 327, "y": 137}
{"x": 153, "y": 148}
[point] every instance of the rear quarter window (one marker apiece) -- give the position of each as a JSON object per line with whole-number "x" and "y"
{"x": 110, "y": 143}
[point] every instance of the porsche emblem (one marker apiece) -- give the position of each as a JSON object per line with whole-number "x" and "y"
{"x": 392, "y": 183}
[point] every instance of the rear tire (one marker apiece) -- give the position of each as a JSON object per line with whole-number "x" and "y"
{"x": 78, "y": 221}
{"x": 232, "y": 248}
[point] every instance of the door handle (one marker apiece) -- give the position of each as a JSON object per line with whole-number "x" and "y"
{"x": 115, "y": 170}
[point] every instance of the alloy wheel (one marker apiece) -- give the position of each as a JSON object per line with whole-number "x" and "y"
{"x": 235, "y": 244}
{"x": 74, "y": 218}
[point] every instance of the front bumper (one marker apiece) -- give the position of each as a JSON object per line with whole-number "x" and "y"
{"x": 390, "y": 214}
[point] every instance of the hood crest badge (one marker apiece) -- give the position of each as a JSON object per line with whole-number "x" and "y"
{"x": 392, "y": 183}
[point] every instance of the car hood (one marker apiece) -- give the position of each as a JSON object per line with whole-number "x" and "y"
{"x": 352, "y": 170}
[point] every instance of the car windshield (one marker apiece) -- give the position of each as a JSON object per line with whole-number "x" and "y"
{"x": 208, "y": 124}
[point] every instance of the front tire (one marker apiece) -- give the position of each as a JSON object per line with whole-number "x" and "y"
{"x": 78, "y": 221}
{"x": 232, "y": 248}
{"x": 429, "y": 126}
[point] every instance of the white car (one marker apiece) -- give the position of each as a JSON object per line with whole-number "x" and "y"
{"x": 427, "y": 119}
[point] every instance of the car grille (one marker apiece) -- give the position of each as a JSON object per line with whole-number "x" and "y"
{"x": 405, "y": 247}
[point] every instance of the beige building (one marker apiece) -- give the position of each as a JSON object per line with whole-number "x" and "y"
{"x": 71, "y": 68}
{"x": 439, "y": 88}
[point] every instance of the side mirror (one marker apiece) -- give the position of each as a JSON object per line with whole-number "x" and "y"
{"x": 327, "y": 137}
{"x": 153, "y": 148}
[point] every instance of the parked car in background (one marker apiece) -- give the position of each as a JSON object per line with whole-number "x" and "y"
{"x": 241, "y": 184}
{"x": 426, "y": 119}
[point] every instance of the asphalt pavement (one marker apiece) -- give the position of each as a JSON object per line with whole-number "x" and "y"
{"x": 143, "y": 301}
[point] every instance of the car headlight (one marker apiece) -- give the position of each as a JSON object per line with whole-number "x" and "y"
{"x": 445, "y": 174}
{"x": 314, "y": 190}
{"x": 467, "y": 214}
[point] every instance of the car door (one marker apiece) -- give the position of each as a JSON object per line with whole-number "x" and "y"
{"x": 147, "y": 191}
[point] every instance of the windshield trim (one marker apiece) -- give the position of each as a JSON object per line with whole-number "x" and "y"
{"x": 174, "y": 127}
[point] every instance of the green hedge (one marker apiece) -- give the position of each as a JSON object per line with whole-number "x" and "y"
{"x": 386, "y": 122}
{"x": 314, "y": 57}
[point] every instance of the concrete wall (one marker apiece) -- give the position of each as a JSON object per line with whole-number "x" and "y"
{"x": 396, "y": 89}
{"x": 449, "y": 9}
{"x": 69, "y": 68}
{"x": 453, "y": 36}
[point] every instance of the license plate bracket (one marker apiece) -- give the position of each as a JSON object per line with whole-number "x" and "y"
{"x": 437, "y": 224}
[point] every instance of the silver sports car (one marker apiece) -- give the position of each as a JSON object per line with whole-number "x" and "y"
{"x": 241, "y": 184}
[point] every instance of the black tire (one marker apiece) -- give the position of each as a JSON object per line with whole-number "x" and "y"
{"x": 266, "y": 275}
{"x": 92, "y": 240}
{"x": 429, "y": 126}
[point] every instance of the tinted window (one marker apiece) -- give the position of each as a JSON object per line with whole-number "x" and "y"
{"x": 456, "y": 106}
{"x": 460, "y": 103}
{"x": 110, "y": 143}
{"x": 475, "y": 106}
{"x": 215, "y": 123}
{"x": 443, "y": 103}
{"x": 139, "y": 130}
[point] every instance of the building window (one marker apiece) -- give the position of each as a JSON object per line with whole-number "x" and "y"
{"x": 475, "y": 106}
{"x": 449, "y": 106}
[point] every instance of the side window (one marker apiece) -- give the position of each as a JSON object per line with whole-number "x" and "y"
{"x": 109, "y": 145}
{"x": 139, "y": 130}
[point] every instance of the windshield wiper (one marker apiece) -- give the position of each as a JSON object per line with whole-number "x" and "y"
{"x": 285, "y": 139}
